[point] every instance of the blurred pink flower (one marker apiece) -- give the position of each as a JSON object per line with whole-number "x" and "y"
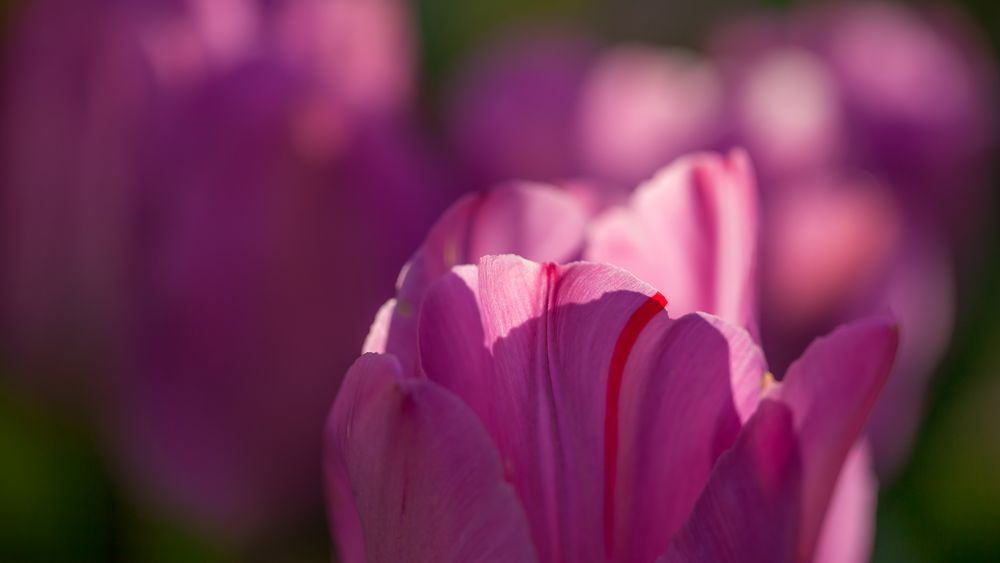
{"x": 642, "y": 107}
{"x": 187, "y": 182}
{"x": 923, "y": 91}
{"x": 559, "y": 413}
{"x": 549, "y": 107}
{"x": 900, "y": 93}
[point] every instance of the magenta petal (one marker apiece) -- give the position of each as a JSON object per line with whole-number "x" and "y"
{"x": 750, "y": 507}
{"x": 377, "y": 340}
{"x": 685, "y": 394}
{"x": 412, "y": 476}
{"x": 850, "y": 520}
{"x": 691, "y": 231}
{"x": 532, "y": 349}
{"x": 536, "y": 221}
{"x": 831, "y": 390}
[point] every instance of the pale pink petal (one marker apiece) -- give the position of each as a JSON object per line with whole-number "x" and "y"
{"x": 608, "y": 415}
{"x": 850, "y": 519}
{"x": 378, "y": 335}
{"x": 831, "y": 390}
{"x": 749, "y": 510}
{"x": 691, "y": 231}
{"x": 412, "y": 476}
{"x": 685, "y": 394}
{"x": 536, "y": 221}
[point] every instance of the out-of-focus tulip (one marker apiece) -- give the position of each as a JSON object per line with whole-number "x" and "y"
{"x": 920, "y": 91}
{"x": 75, "y": 112}
{"x": 788, "y": 112}
{"x": 547, "y": 108}
{"x": 903, "y": 94}
{"x": 242, "y": 160}
{"x": 642, "y": 107}
{"x": 537, "y": 430}
{"x": 512, "y": 111}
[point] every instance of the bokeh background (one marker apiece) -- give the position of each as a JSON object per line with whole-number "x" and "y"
{"x": 200, "y": 221}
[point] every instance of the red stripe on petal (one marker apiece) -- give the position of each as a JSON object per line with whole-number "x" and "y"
{"x": 619, "y": 357}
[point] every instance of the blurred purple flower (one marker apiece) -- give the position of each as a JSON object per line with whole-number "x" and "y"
{"x": 75, "y": 110}
{"x": 513, "y": 108}
{"x": 217, "y": 179}
{"x": 922, "y": 91}
{"x": 547, "y": 107}
{"x": 902, "y": 94}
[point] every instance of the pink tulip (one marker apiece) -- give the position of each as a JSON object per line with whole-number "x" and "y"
{"x": 559, "y": 414}
{"x": 706, "y": 203}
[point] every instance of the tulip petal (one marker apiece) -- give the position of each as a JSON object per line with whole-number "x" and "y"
{"x": 532, "y": 349}
{"x": 831, "y": 390}
{"x": 536, "y": 221}
{"x": 684, "y": 399}
{"x": 691, "y": 231}
{"x": 412, "y": 474}
{"x": 749, "y": 509}
{"x": 850, "y": 519}
{"x": 378, "y": 335}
